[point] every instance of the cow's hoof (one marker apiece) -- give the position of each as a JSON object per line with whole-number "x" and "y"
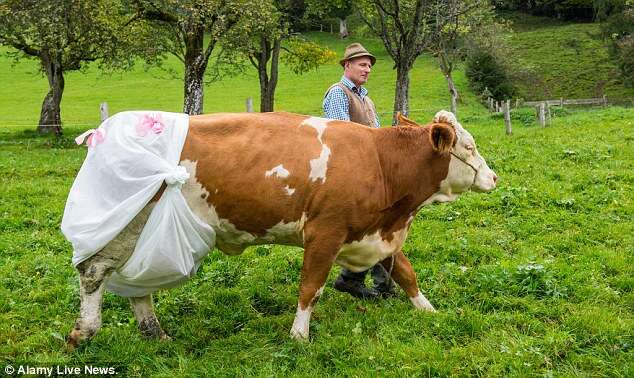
{"x": 299, "y": 335}
{"x": 165, "y": 337}
{"x": 421, "y": 303}
{"x": 150, "y": 328}
{"x": 72, "y": 340}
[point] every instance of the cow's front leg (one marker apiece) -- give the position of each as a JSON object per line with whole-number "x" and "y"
{"x": 319, "y": 255}
{"x": 146, "y": 318}
{"x": 404, "y": 275}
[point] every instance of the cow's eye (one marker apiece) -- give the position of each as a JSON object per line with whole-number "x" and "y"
{"x": 470, "y": 148}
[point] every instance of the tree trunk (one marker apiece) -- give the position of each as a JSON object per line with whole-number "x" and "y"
{"x": 50, "y": 118}
{"x": 268, "y": 82}
{"x": 453, "y": 92}
{"x": 401, "y": 97}
{"x": 343, "y": 28}
{"x": 195, "y": 66}
{"x": 447, "y": 68}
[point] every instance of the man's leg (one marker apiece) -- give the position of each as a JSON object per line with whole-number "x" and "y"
{"x": 354, "y": 284}
{"x": 383, "y": 283}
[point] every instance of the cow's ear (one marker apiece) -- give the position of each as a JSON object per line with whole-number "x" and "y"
{"x": 442, "y": 136}
{"x": 404, "y": 121}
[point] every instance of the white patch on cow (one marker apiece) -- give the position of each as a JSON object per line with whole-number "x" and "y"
{"x": 319, "y": 166}
{"x": 280, "y": 171}
{"x": 301, "y": 324}
{"x": 365, "y": 253}
{"x": 216, "y": 191}
{"x": 229, "y": 239}
{"x": 290, "y": 233}
{"x": 319, "y": 124}
{"x": 421, "y": 303}
{"x": 289, "y": 190}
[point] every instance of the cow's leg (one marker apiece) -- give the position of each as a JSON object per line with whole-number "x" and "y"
{"x": 146, "y": 318}
{"x": 405, "y": 277}
{"x": 93, "y": 273}
{"x": 319, "y": 255}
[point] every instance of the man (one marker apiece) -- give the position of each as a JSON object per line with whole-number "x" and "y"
{"x": 348, "y": 100}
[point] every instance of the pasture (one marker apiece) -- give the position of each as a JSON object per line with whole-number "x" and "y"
{"x": 535, "y": 278}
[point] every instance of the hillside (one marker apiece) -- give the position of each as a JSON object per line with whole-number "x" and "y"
{"x": 554, "y": 59}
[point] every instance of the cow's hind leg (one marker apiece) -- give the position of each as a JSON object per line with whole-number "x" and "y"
{"x": 92, "y": 275}
{"x": 404, "y": 275}
{"x": 146, "y": 318}
{"x": 319, "y": 255}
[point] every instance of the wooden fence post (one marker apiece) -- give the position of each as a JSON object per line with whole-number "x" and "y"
{"x": 561, "y": 102}
{"x": 542, "y": 114}
{"x": 103, "y": 111}
{"x": 548, "y": 114}
{"x": 249, "y": 105}
{"x": 605, "y": 101}
{"x": 507, "y": 117}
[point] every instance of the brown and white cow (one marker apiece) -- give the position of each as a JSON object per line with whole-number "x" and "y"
{"x": 345, "y": 193}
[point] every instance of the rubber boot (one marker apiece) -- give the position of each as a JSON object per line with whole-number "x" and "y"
{"x": 354, "y": 284}
{"x": 383, "y": 283}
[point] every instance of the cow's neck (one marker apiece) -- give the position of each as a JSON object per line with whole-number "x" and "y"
{"x": 412, "y": 169}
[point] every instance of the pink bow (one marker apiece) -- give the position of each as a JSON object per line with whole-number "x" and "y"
{"x": 150, "y": 123}
{"x": 94, "y": 137}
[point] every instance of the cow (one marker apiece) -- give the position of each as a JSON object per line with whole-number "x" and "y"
{"x": 345, "y": 193}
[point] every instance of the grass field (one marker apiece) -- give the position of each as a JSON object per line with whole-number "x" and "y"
{"x": 535, "y": 278}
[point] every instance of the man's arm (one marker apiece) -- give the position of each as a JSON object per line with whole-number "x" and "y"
{"x": 336, "y": 105}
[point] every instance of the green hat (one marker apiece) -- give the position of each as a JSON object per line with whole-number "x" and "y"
{"x": 356, "y": 50}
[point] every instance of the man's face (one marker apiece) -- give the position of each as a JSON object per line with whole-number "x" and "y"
{"x": 358, "y": 70}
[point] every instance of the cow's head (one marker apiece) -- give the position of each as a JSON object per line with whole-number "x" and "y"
{"x": 467, "y": 170}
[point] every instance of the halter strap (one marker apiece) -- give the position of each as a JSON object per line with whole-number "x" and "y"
{"x": 475, "y": 170}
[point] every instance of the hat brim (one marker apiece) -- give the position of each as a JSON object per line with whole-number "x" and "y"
{"x": 358, "y": 55}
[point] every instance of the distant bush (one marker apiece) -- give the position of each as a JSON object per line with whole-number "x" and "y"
{"x": 485, "y": 70}
{"x": 618, "y": 31}
{"x": 587, "y": 10}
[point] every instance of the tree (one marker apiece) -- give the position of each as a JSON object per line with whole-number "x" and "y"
{"x": 262, "y": 36}
{"x": 405, "y": 27}
{"x": 618, "y": 32}
{"x": 459, "y": 25}
{"x": 63, "y": 35}
{"x": 340, "y": 9}
{"x": 180, "y": 28}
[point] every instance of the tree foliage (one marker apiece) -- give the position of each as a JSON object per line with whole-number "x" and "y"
{"x": 263, "y": 36}
{"x": 618, "y": 31}
{"x": 179, "y": 28}
{"x": 565, "y": 9}
{"x": 63, "y": 35}
{"x": 405, "y": 28}
{"x": 469, "y": 23}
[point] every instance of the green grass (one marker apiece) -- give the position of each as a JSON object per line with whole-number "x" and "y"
{"x": 556, "y": 59}
{"x": 532, "y": 279}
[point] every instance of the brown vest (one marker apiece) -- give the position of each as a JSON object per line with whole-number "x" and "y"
{"x": 361, "y": 111}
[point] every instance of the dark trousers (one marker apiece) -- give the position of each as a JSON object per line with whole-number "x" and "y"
{"x": 380, "y": 276}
